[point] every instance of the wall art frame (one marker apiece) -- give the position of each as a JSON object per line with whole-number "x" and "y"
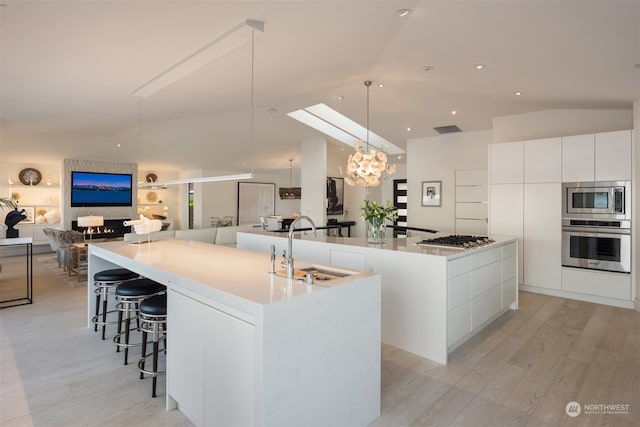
{"x": 431, "y": 193}
{"x": 335, "y": 195}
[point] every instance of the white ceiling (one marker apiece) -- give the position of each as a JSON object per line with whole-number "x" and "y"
{"x": 68, "y": 69}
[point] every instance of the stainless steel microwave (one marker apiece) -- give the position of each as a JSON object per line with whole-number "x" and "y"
{"x": 602, "y": 200}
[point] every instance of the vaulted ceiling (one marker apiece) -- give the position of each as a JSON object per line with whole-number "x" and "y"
{"x": 68, "y": 69}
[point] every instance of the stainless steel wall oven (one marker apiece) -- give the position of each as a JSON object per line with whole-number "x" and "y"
{"x": 596, "y": 225}
{"x": 598, "y": 245}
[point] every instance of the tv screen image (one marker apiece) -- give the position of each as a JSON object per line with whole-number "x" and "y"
{"x": 100, "y": 189}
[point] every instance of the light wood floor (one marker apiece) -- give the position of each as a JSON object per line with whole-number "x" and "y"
{"x": 522, "y": 370}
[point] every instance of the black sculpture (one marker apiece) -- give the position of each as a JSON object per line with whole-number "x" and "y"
{"x": 14, "y": 217}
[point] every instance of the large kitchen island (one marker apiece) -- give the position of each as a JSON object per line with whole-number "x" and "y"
{"x": 246, "y": 347}
{"x": 433, "y": 298}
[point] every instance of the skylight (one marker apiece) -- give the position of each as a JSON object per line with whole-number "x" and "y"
{"x": 328, "y": 121}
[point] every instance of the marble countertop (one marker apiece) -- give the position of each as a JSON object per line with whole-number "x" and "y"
{"x": 408, "y": 244}
{"x": 214, "y": 269}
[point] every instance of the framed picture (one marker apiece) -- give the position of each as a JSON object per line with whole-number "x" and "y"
{"x": 335, "y": 196}
{"x": 29, "y": 211}
{"x": 255, "y": 199}
{"x": 431, "y": 193}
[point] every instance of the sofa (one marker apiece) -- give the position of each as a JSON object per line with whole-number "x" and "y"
{"x": 215, "y": 235}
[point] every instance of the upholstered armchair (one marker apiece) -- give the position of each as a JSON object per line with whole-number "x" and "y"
{"x": 59, "y": 241}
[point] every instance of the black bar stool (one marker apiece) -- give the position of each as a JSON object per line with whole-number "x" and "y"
{"x": 128, "y": 297}
{"x": 105, "y": 283}
{"x": 153, "y": 314}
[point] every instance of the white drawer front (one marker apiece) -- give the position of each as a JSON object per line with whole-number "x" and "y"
{"x": 509, "y": 291}
{"x": 459, "y": 290}
{"x": 485, "y": 306}
{"x": 459, "y": 266}
{"x": 509, "y": 250}
{"x": 486, "y": 278}
{"x": 611, "y": 285}
{"x": 459, "y": 323}
{"x": 508, "y": 268}
{"x": 486, "y": 257}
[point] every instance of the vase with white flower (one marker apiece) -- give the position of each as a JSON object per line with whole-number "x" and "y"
{"x": 376, "y": 215}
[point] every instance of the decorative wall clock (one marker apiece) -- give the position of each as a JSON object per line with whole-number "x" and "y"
{"x": 30, "y": 176}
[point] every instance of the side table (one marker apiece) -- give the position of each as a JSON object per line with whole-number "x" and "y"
{"x": 78, "y": 252}
{"x": 28, "y": 298}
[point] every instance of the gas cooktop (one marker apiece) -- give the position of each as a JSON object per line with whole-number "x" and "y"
{"x": 457, "y": 241}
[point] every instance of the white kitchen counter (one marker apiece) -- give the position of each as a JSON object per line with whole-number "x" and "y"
{"x": 249, "y": 348}
{"x": 433, "y": 299}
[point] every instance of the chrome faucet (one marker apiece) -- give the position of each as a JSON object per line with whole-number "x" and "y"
{"x": 290, "y": 245}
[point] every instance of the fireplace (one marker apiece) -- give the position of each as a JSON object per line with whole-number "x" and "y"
{"x": 112, "y": 228}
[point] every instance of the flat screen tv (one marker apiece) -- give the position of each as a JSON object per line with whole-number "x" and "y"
{"x": 100, "y": 189}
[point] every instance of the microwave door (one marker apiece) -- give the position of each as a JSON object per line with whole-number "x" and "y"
{"x": 590, "y": 200}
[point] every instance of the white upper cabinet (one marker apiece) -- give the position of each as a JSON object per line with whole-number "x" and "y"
{"x": 543, "y": 160}
{"x": 613, "y": 156}
{"x": 506, "y": 163}
{"x": 578, "y": 161}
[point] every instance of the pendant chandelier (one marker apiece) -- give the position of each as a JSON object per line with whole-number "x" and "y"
{"x": 290, "y": 193}
{"x": 365, "y": 168}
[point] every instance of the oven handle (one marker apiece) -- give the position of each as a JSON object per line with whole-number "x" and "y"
{"x": 592, "y": 230}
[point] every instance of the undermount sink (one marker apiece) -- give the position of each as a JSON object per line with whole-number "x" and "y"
{"x": 320, "y": 273}
{"x": 324, "y": 273}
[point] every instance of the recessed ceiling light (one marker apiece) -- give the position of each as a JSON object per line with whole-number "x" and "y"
{"x": 399, "y": 157}
{"x": 518, "y": 93}
{"x": 454, "y": 112}
{"x": 403, "y": 12}
{"x": 427, "y": 67}
{"x": 340, "y": 97}
{"x": 408, "y": 129}
{"x": 118, "y": 145}
{"x": 479, "y": 66}
{"x": 381, "y": 85}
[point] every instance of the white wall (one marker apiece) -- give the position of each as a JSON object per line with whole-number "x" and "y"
{"x": 553, "y": 123}
{"x": 220, "y": 199}
{"x": 436, "y": 159}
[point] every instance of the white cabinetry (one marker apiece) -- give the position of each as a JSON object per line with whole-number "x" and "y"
{"x": 531, "y": 208}
{"x": 542, "y": 160}
{"x": 212, "y": 362}
{"x": 598, "y": 283}
{"x": 613, "y": 156}
{"x": 506, "y": 162}
{"x": 187, "y": 379}
{"x": 578, "y": 158}
{"x": 506, "y": 214}
{"x": 542, "y": 235}
{"x": 229, "y": 370}
{"x": 479, "y": 287}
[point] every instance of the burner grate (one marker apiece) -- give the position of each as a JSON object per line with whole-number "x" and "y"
{"x": 458, "y": 241}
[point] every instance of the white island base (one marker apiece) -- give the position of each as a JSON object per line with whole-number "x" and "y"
{"x": 249, "y": 348}
{"x": 433, "y": 299}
